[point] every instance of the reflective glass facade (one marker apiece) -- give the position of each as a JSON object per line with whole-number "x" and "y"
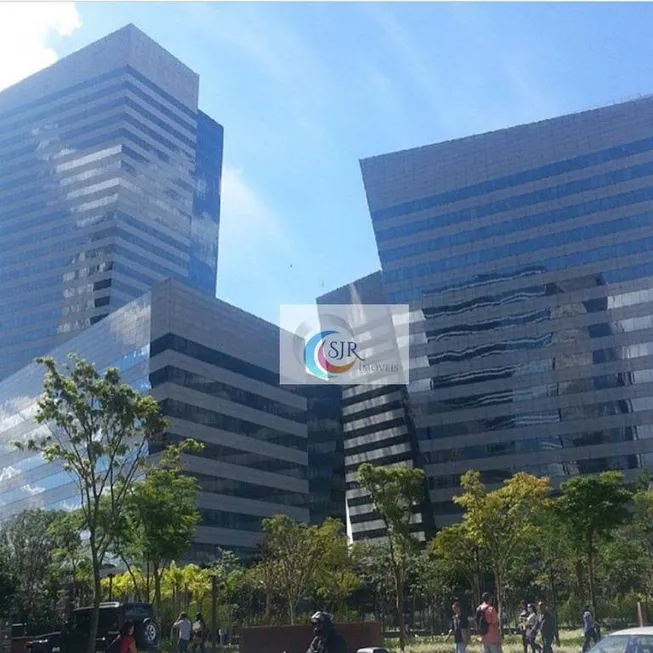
{"x": 26, "y": 480}
{"x": 527, "y": 257}
{"x": 198, "y": 357}
{"x": 376, "y": 425}
{"x": 109, "y": 182}
{"x": 326, "y": 459}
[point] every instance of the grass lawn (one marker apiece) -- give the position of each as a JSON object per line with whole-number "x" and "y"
{"x": 571, "y": 641}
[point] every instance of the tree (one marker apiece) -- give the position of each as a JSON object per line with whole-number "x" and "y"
{"x": 99, "y": 429}
{"x": 593, "y": 506}
{"x": 70, "y": 553}
{"x": 298, "y": 550}
{"x": 502, "y": 521}
{"x": 378, "y": 577}
{"x": 8, "y": 588}
{"x": 459, "y": 553}
{"x": 640, "y": 529}
{"x": 337, "y": 577}
{"x": 27, "y": 549}
{"x": 395, "y": 491}
{"x": 433, "y": 581}
{"x": 553, "y": 553}
{"x": 265, "y": 576}
{"x": 160, "y": 516}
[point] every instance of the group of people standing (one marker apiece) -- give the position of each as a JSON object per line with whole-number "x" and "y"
{"x": 192, "y": 635}
{"x": 533, "y": 621}
{"x": 538, "y": 619}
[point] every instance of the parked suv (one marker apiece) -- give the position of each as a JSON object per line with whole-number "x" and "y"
{"x": 73, "y": 638}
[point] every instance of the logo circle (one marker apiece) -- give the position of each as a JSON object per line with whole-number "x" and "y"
{"x": 316, "y": 361}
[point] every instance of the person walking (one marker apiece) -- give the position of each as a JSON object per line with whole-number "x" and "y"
{"x": 591, "y": 631}
{"x": 199, "y": 633}
{"x": 521, "y": 625}
{"x": 548, "y": 628}
{"x": 184, "y": 627}
{"x": 459, "y": 629}
{"x": 532, "y": 623}
{"x": 487, "y": 624}
{"x": 124, "y": 641}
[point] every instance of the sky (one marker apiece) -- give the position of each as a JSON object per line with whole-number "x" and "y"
{"x": 306, "y": 90}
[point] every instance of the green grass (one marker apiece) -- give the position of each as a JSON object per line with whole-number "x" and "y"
{"x": 571, "y": 641}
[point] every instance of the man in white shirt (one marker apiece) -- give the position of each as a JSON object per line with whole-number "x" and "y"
{"x": 184, "y": 626}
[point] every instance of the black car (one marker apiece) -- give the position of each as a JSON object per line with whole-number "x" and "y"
{"x": 73, "y": 638}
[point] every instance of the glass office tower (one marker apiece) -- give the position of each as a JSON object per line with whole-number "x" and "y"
{"x": 109, "y": 182}
{"x": 214, "y": 370}
{"x": 527, "y": 257}
{"x": 376, "y": 426}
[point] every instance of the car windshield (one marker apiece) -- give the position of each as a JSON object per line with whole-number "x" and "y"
{"x": 625, "y": 644}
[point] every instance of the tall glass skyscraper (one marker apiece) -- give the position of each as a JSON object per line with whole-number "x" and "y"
{"x": 214, "y": 370}
{"x": 527, "y": 257}
{"x": 109, "y": 182}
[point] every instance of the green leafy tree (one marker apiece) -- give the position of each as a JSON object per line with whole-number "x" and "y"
{"x": 337, "y": 578}
{"x": 503, "y": 520}
{"x": 8, "y": 588}
{"x": 460, "y": 555}
{"x": 27, "y": 549}
{"x": 70, "y": 552}
{"x": 395, "y": 492}
{"x": 434, "y": 580}
{"x": 593, "y": 507}
{"x": 160, "y": 516}
{"x": 298, "y": 551}
{"x": 641, "y": 529}
{"x": 622, "y": 566}
{"x": 553, "y": 553}
{"x": 378, "y": 578}
{"x": 99, "y": 429}
{"x": 264, "y": 576}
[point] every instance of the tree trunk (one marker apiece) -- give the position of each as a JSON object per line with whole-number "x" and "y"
{"x": 590, "y": 574}
{"x": 157, "y": 592}
{"x": 268, "y": 606}
{"x": 498, "y": 580}
{"x": 291, "y": 611}
{"x": 400, "y": 609}
{"x": 97, "y": 589}
{"x": 580, "y": 581}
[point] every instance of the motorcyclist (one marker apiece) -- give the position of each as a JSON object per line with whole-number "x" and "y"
{"x": 327, "y": 639}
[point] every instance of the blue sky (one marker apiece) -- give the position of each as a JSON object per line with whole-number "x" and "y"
{"x": 304, "y": 90}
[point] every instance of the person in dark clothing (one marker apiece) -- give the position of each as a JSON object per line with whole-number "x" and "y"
{"x": 459, "y": 629}
{"x": 591, "y": 630}
{"x": 523, "y": 617}
{"x": 327, "y": 639}
{"x": 548, "y": 628}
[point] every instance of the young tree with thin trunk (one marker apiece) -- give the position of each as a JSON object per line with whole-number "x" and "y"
{"x": 593, "y": 507}
{"x": 99, "y": 430}
{"x": 160, "y": 516}
{"x": 298, "y": 551}
{"x": 395, "y": 492}
{"x": 502, "y": 521}
{"x": 457, "y": 550}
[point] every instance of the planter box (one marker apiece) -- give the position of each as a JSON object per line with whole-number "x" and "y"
{"x": 296, "y": 639}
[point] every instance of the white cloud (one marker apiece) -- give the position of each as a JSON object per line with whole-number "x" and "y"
{"x": 25, "y": 28}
